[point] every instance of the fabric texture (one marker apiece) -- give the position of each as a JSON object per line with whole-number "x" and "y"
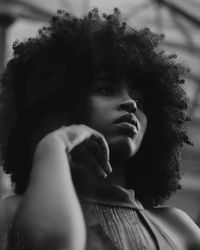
{"x": 117, "y": 221}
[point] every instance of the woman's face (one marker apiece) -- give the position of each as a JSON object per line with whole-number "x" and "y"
{"x": 116, "y": 110}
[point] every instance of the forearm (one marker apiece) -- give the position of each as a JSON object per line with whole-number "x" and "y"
{"x": 50, "y": 210}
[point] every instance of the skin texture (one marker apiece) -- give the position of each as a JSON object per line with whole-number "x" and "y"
{"x": 46, "y": 223}
{"x": 58, "y": 154}
{"x": 109, "y": 100}
{"x": 51, "y": 155}
{"x": 84, "y": 49}
{"x": 85, "y": 149}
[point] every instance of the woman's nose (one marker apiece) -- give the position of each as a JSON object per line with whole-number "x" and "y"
{"x": 128, "y": 105}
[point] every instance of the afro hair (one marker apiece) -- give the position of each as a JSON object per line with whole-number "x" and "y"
{"x": 50, "y": 72}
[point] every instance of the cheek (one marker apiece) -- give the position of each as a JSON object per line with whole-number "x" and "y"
{"x": 99, "y": 113}
{"x": 144, "y": 127}
{"x": 143, "y": 122}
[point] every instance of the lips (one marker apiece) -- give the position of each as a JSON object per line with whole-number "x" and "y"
{"x": 129, "y": 119}
{"x": 127, "y": 124}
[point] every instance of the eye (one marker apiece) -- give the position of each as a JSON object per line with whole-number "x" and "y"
{"x": 106, "y": 89}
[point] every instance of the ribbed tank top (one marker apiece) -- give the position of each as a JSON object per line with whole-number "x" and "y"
{"x": 117, "y": 221}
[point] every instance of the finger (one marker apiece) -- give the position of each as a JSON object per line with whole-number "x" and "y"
{"x": 102, "y": 152}
{"x": 92, "y": 168}
{"x": 96, "y": 149}
{"x": 100, "y": 171}
{"x": 84, "y": 157}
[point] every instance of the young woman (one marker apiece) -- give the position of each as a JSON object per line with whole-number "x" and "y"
{"x": 93, "y": 120}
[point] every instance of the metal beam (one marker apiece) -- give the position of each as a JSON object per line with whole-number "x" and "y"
{"x": 180, "y": 11}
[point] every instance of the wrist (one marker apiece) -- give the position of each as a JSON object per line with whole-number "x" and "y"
{"x": 49, "y": 145}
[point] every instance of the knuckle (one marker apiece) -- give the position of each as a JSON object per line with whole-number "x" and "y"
{"x": 83, "y": 126}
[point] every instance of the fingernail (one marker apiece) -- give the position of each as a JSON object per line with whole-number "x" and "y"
{"x": 109, "y": 167}
{"x": 103, "y": 174}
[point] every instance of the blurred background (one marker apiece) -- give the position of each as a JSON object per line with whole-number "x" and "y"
{"x": 179, "y": 20}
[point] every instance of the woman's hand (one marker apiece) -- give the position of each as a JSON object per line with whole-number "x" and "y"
{"x": 87, "y": 149}
{"x": 50, "y": 209}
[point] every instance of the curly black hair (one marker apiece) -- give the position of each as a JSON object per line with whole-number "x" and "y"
{"x": 48, "y": 74}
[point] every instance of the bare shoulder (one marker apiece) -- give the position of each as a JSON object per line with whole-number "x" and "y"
{"x": 179, "y": 222}
{"x": 177, "y": 216}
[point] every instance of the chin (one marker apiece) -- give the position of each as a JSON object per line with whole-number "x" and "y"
{"x": 123, "y": 147}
